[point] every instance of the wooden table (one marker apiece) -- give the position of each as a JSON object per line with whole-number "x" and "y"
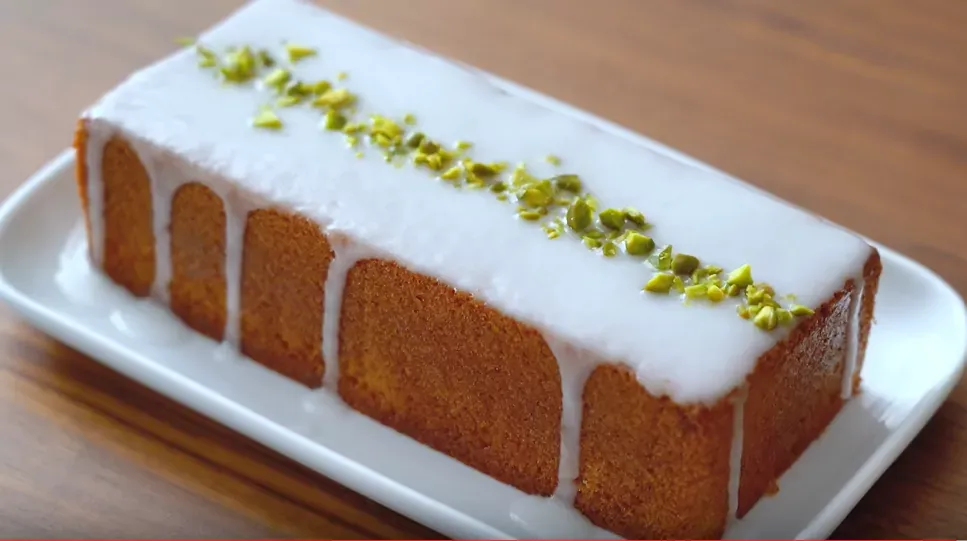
{"x": 856, "y": 109}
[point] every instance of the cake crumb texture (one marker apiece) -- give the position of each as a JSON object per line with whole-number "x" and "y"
{"x": 452, "y": 373}
{"x": 284, "y": 264}
{"x": 650, "y": 468}
{"x": 197, "y": 290}
{"x": 129, "y": 242}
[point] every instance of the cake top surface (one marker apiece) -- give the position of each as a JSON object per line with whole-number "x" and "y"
{"x": 695, "y": 351}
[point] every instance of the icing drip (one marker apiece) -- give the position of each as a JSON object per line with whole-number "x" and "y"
{"x": 735, "y": 454}
{"x": 236, "y": 215}
{"x": 345, "y": 255}
{"x": 575, "y": 367}
{"x": 94, "y": 154}
{"x": 852, "y": 337}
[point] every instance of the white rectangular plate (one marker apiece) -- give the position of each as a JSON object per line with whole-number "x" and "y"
{"x": 915, "y": 357}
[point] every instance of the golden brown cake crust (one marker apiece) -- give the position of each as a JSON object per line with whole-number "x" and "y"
{"x": 285, "y": 261}
{"x": 129, "y": 242}
{"x": 197, "y": 288}
{"x": 452, "y": 373}
{"x": 651, "y": 469}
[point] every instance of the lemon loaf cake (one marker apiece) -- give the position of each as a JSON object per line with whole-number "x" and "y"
{"x": 535, "y": 294}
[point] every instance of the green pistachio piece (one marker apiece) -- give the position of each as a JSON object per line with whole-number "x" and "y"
{"x": 592, "y": 242}
{"x": 568, "y": 183}
{"x": 266, "y": 59}
{"x": 696, "y": 291}
{"x": 335, "y": 99}
{"x": 534, "y": 197}
{"x": 334, "y": 120}
{"x": 594, "y": 234}
{"x": 766, "y": 319}
{"x": 530, "y": 215}
{"x": 319, "y": 88}
{"x": 800, "y": 310}
{"x": 634, "y": 217}
{"x": 434, "y": 162}
{"x": 743, "y": 311}
{"x": 502, "y": 197}
{"x": 713, "y": 270}
{"x": 638, "y": 244}
{"x": 289, "y": 101}
{"x": 409, "y": 118}
{"x": 298, "y": 52}
{"x": 463, "y": 145}
{"x": 660, "y": 283}
{"x": 663, "y": 259}
{"x": 414, "y": 140}
{"x": 428, "y": 147}
{"x": 753, "y": 295}
{"x": 783, "y": 316}
{"x": 579, "y": 215}
{"x": 684, "y": 264}
{"x": 741, "y": 276}
{"x": 498, "y": 187}
{"x": 715, "y": 293}
{"x": 359, "y": 155}
{"x": 341, "y": 76}
{"x": 609, "y": 249}
{"x": 733, "y": 290}
{"x": 612, "y": 218}
{"x": 678, "y": 284}
{"x": 453, "y": 173}
{"x": 277, "y": 79}
{"x": 483, "y": 170}
{"x": 266, "y": 119}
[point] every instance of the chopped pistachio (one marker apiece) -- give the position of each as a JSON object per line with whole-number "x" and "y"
{"x": 743, "y": 311}
{"x": 239, "y": 66}
{"x": 498, "y": 187}
{"x": 715, "y": 293}
{"x": 594, "y": 234}
{"x": 660, "y": 283}
{"x": 766, "y": 319}
{"x": 609, "y": 249}
{"x": 501, "y": 197}
{"x": 733, "y": 290}
{"x": 530, "y": 215}
{"x": 800, "y": 310}
{"x": 463, "y": 145}
{"x": 534, "y": 197}
{"x": 591, "y": 242}
{"x": 712, "y": 270}
{"x": 359, "y": 155}
{"x": 266, "y": 59}
{"x": 678, "y": 284}
{"x": 579, "y": 215}
{"x": 334, "y": 99}
{"x": 267, "y": 119}
{"x": 428, "y": 147}
{"x": 352, "y": 140}
{"x": 684, "y": 264}
{"x": 663, "y": 259}
{"x": 434, "y": 162}
{"x": 335, "y": 121}
{"x": 409, "y": 119}
{"x": 634, "y": 217}
{"x": 453, "y": 173}
{"x": 341, "y": 76}
{"x": 298, "y": 52}
{"x": 696, "y": 291}
{"x": 553, "y": 160}
{"x": 288, "y": 101}
{"x": 754, "y": 295}
{"x": 278, "y": 78}
{"x": 638, "y": 244}
{"x": 483, "y": 170}
{"x": 297, "y": 88}
{"x": 319, "y": 87}
{"x": 414, "y": 140}
{"x": 568, "y": 183}
{"x": 612, "y": 218}
{"x": 740, "y": 277}
{"x": 783, "y": 316}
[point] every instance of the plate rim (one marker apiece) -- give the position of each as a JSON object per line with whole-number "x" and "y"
{"x": 377, "y": 486}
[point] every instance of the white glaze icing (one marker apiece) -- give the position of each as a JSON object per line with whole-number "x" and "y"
{"x": 345, "y": 255}
{"x": 575, "y": 367}
{"x": 852, "y": 337}
{"x": 735, "y": 453}
{"x": 98, "y": 135}
{"x": 469, "y": 240}
{"x": 237, "y": 209}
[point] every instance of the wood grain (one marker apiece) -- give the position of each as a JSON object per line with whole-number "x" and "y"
{"x": 856, "y": 109}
